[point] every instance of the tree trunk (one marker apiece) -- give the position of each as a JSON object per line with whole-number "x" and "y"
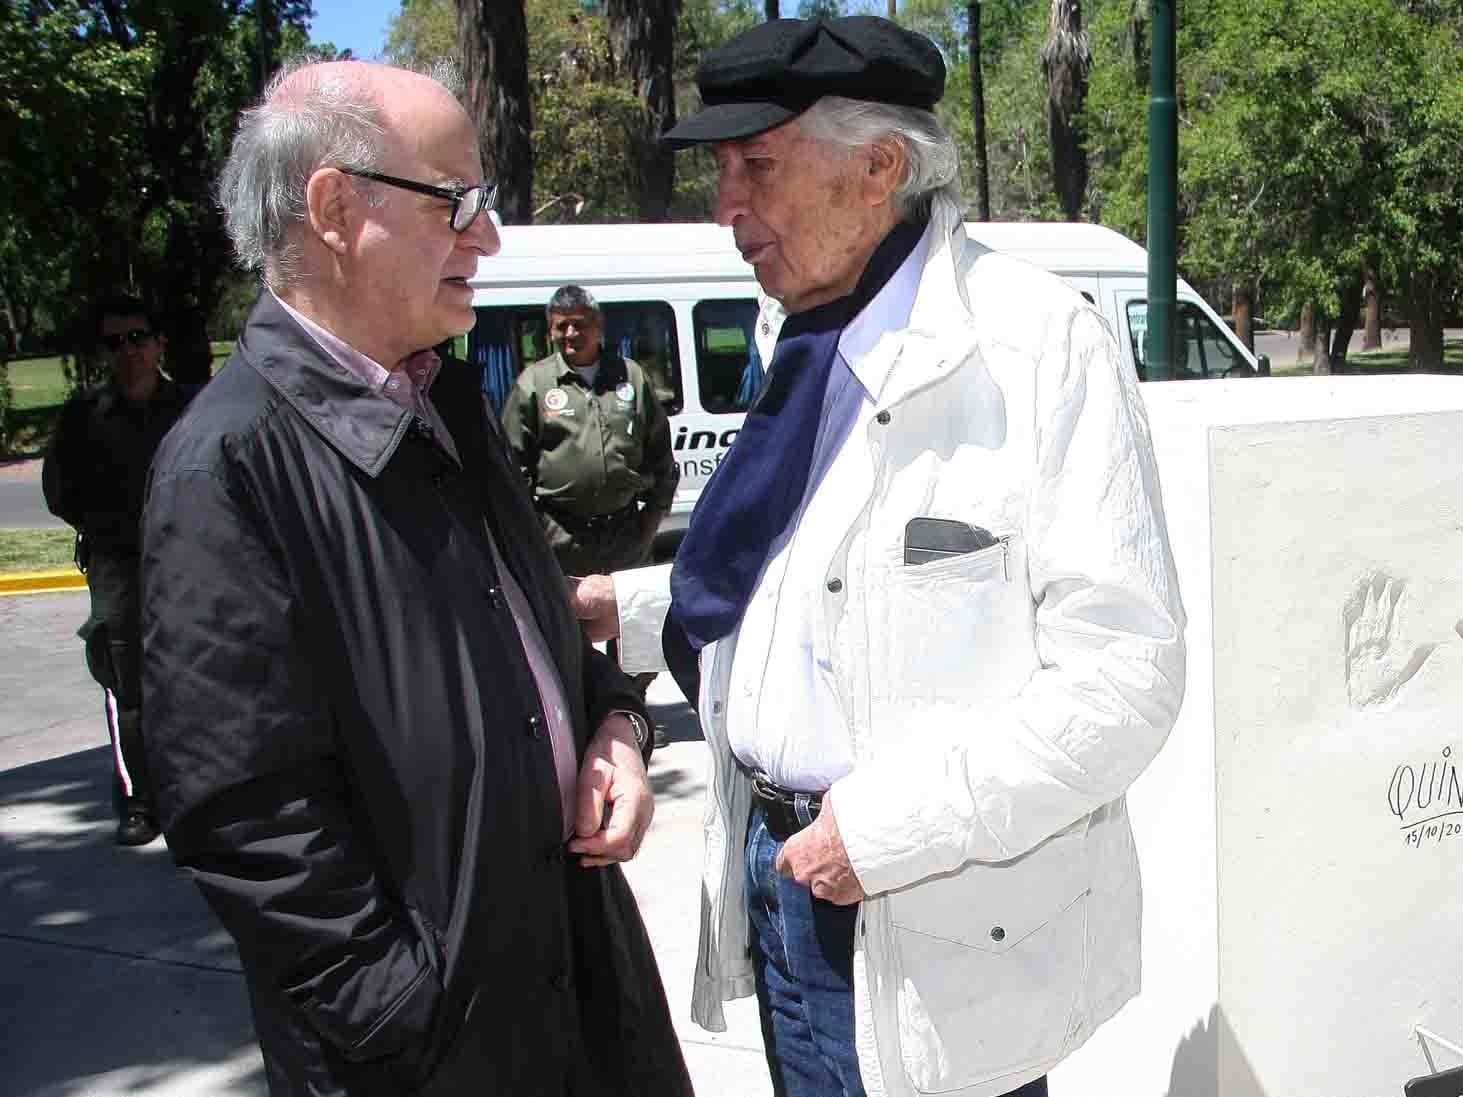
{"x": 772, "y": 10}
{"x": 1066, "y": 59}
{"x": 1426, "y": 304}
{"x": 644, "y": 36}
{"x": 267, "y": 38}
{"x": 1307, "y": 330}
{"x": 1371, "y": 338}
{"x": 493, "y": 36}
{"x": 1346, "y": 323}
{"x": 196, "y": 247}
{"x": 893, "y": 9}
{"x": 977, "y": 112}
{"x": 1321, "y": 360}
{"x": 1242, "y": 314}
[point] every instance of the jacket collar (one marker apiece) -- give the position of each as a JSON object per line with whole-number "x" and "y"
{"x": 362, "y": 424}
{"x": 939, "y": 336}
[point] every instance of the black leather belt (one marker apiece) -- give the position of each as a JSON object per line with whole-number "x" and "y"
{"x": 787, "y": 812}
{"x": 578, "y": 524}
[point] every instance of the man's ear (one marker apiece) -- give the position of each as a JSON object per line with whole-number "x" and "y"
{"x": 329, "y": 201}
{"x": 884, "y": 169}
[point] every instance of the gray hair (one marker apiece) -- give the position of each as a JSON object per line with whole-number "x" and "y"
{"x": 933, "y": 160}
{"x": 571, "y": 298}
{"x": 328, "y": 120}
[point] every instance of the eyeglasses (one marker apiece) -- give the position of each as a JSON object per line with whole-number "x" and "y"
{"x": 467, "y": 202}
{"x": 137, "y": 336}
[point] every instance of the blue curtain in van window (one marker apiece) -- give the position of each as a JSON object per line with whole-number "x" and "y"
{"x": 751, "y": 382}
{"x": 620, "y": 327}
{"x": 493, "y": 355}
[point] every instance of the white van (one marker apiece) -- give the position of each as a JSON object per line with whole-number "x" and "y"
{"x": 679, "y": 300}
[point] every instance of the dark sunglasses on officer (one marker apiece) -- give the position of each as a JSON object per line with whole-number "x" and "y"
{"x": 115, "y": 341}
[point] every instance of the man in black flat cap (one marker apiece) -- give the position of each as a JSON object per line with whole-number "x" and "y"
{"x": 926, "y": 604}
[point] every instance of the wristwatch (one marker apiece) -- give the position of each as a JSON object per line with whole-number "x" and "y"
{"x": 637, "y": 725}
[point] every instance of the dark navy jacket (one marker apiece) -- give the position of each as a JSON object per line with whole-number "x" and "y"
{"x": 350, "y": 752}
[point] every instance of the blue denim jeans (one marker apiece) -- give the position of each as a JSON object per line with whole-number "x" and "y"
{"x": 802, "y": 957}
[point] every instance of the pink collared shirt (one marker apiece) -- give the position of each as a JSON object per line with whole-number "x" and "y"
{"x": 406, "y": 386}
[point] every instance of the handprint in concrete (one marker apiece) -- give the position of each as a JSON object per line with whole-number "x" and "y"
{"x": 1379, "y": 660}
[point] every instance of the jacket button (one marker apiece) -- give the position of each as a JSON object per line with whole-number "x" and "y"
{"x": 561, "y": 981}
{"x": 997, "y": 933}
{"x": 535, "y": 727}
{"x": 882, "y": 418}
{"x": 494, "y": 596}
{"x": 835, "y": 585}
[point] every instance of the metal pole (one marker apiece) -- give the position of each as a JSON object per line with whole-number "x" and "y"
{"x": 1163, "y": 148}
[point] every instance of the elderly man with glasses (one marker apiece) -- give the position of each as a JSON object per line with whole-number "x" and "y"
{"x": 400, "y": 775}
{"x": 93, "y": 477}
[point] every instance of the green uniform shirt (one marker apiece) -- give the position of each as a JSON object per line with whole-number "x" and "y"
{"x": 589, "y": 452}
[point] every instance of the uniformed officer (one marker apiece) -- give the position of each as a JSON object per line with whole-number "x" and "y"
{"x": 95, "y": 477}
{"x": 593, "y": 442}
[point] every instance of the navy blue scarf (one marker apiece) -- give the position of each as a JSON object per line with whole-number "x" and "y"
{"x": 755, "y": 491}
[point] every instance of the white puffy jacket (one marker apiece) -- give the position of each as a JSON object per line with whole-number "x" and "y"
{"x": 999, "y": 702}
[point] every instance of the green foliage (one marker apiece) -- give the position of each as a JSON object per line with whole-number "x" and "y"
{"x": 581, "y": 134}
{"x": 114, "y": 120}
{"x": 423, "y": 31}
{"x": 1312, "y": 135}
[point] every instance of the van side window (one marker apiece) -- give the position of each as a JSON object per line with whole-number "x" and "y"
{"x": 1199, "y": 348}
{"x": 729, "y": 368}
{"x": 507, "y": 338}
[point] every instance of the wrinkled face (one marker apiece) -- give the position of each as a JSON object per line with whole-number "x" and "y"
{"x": 137, "y": 347}
{"x": 800, "y": 212}
{"x": 577, "y": 335}
{"x": 411, "y": 270}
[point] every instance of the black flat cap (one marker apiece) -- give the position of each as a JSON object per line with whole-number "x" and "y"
{"x": 778, "y": 69}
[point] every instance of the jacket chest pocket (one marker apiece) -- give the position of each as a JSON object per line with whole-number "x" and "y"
{"x": 989, "y": 964}
{"x": 953, "y": 630}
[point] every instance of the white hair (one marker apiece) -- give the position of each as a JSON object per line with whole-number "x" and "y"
{"x": 321, "y": 120}
{"x": 933, "y": 162}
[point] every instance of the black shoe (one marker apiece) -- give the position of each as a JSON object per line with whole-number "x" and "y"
{"x": 136, "y": 828}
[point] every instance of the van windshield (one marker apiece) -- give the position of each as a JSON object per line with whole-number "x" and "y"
{"x": 1200, "y": 349}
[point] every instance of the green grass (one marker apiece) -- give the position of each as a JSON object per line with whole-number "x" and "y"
{"x": 37, "y": 383}
{"x": 35, "y": 549}
{"x": 1375, "y": 362}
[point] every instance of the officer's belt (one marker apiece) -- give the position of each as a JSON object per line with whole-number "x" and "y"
{"x": 578, "y": 524}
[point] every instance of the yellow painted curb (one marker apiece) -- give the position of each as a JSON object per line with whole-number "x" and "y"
{"x": 41, "y": 582}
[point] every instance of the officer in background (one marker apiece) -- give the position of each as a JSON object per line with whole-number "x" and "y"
{"x": 94, "y": 477}
{"x": 593, "y": 442}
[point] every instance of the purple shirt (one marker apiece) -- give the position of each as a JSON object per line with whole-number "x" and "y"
{"x": 407, "y": 386}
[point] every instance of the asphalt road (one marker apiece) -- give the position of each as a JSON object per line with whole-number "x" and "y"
{"x": 22, "y": 506}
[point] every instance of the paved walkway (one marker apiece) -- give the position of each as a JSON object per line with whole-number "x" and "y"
{"x": 22, "y": 506}
{"x": 114, "y": 977}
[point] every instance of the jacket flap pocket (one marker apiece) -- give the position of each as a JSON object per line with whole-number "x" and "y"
{"x": 994, "y": 907}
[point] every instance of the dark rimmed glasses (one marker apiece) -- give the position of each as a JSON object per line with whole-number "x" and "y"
{"x": 467, "y": 202}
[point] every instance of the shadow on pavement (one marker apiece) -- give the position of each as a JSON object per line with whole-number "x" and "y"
{"x": 116, "y": 977}
{"x": 677, "y": 720}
